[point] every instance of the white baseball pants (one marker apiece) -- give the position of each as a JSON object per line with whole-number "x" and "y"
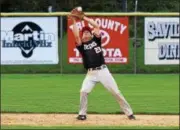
{"x": 103, "y": 76}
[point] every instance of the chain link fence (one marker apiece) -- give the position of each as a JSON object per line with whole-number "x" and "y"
{"x": 136, "y": 59}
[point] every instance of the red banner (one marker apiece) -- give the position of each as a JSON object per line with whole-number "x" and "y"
{"x": 115, "y": 37}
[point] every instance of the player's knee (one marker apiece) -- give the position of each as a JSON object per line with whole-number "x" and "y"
{"x": 84, "y": 91}
{"x": 113, "y": 91}
{"x": 84, "y": 94}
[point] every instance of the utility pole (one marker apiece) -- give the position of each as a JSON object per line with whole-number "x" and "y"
{"x": 52, "y": 4}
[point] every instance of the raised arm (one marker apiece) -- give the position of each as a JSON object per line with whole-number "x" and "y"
{"x": 76, "y": 32}
{"x": 94, "y": 24}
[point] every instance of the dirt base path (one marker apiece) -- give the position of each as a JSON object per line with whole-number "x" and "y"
{"x": 93, "y": 120}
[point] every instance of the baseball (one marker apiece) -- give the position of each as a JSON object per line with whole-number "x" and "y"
{"x": 79, "y": 8}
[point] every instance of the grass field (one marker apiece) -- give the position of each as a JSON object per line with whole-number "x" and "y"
{"x": 105, "y": 127}
{"x": 41, "y": 93}
{"x": 156, "y": 94}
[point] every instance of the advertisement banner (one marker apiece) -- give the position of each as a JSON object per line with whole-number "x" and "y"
{"x": 29, "y": 40}
{"x": 162, "y": 35}
{"x": 114, "y": 31}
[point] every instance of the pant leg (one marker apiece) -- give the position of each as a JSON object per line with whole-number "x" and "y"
{"x": 87, "y": 86}
{"x": 110, "y": 84}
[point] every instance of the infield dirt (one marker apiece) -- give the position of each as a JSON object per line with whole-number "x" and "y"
{"x": 92, "y": 120}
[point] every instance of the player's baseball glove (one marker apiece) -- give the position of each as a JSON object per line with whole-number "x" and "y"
{"x": 77, "y": 13}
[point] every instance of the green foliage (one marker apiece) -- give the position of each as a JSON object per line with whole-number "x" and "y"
{"x": 89, "y": 5}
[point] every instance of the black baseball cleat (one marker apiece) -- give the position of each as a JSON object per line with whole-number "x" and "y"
{"x": 81, "y": 117}
{"x": 131, "y": 117}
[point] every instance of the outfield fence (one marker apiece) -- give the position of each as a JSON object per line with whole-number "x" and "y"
{"x": 136, "y": 56}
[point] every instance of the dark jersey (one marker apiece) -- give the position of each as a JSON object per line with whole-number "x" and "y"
{"x": 91, "y": 52}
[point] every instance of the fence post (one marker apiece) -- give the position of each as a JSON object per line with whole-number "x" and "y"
{"x": 135, "y": 39}
{"x": 61, "y": 43}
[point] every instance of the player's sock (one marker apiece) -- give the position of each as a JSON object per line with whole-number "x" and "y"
{"x": 83, "y": 103}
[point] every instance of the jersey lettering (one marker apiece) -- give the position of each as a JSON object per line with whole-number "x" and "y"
{"x": 97, "y": 50}
{"x": 91, "y": 52}
{"x": 90, "y": 46}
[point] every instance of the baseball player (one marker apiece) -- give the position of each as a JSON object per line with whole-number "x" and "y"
{"x": 89, "y": 46}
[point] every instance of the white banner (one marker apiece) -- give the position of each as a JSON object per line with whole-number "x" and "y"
{"x": 162, "y": 35}
{"x": 29, "y": 40}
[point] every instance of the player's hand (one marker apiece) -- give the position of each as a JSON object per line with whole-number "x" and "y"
{"x": 77, "y": 13}
{"x": 71, "y": 17}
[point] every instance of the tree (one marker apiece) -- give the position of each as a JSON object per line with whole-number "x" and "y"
{"x": 89, "y": 5}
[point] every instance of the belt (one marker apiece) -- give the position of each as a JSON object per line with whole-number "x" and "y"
{"x": 98, "y": 68}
